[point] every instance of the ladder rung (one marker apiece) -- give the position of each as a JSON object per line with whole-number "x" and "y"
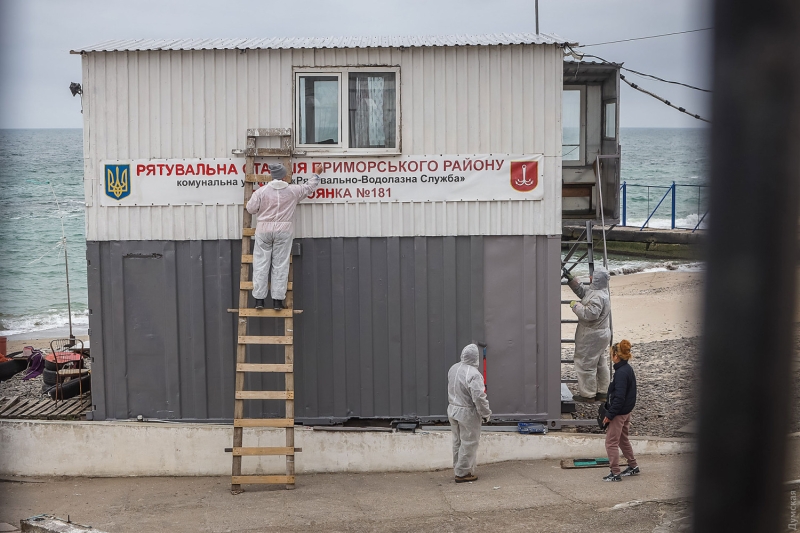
{"x": 257, "y": 178}
{"x": 269, "y": 132}
{"x": 265, "y": 395}
{"x": 263, "y": 423}
{"x": 248, "y": 232}
{"x": 258, "y": 367}
{"x": 248, "y": 311}
{"x": 247, "y": 258}
{"x": 266, "y": 339}
{"x": 267, "y": 152}
{"x": 248, "y": 286}
{"x": 276, "y": 450}
{"x": 567, "y": 341}
{"x": 244, "y": 480}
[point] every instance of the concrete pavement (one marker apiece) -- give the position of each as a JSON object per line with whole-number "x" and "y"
{"x": 511, "y": 496}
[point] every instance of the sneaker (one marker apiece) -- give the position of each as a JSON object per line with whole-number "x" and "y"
{"x": 630, "y": 471}
{"x": 612, "y": 477}
{"x": 259, "y": 303}
{"x": 465, "y": 479}
{"x": 601, "y": 397}
{"x": 579, "y": 398}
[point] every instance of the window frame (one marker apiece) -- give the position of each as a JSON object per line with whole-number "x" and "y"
{"x": 581, "y": 160}
{"x": 343, "y": 148}
{"x": 606, "y": 102}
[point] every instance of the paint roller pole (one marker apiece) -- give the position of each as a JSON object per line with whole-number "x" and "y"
{"x": 69, "y": 304}
{"x": 537, "y": 17}
{"x": 482, "y": 345}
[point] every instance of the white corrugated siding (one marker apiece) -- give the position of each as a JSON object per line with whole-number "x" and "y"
{"x": 454, "y": 100}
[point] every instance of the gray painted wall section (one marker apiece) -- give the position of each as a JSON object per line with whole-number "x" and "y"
{"x": 383, "y": 320}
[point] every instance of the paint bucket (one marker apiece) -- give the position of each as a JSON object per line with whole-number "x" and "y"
{"x": 3, "y": 346}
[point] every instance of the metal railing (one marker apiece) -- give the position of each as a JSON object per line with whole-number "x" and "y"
{"x": 669, "y": 190}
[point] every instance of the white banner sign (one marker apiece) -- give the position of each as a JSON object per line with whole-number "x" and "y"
{"x": 398, "y": 179}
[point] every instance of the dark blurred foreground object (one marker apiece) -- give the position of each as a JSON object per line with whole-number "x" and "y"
{"x": 752, "y": 251}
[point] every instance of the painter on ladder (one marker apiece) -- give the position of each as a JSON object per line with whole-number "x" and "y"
{"x": 467, "y": 408}
{"x": 274, "y": 204}
{"x": 592, "y": 336}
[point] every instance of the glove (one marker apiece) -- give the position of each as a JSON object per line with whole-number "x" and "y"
{"x": 486, "y": 419}
{"x": 572, "y": 304}
{"x": 566, "y": 274}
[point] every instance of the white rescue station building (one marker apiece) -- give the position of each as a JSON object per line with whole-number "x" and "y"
{"x": 438, "y": 221}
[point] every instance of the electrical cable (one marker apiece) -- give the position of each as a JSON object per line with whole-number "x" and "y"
{"x": 643, "y": 38}
{"x": 681, "y": 109}
{"x": 643, "y": 74}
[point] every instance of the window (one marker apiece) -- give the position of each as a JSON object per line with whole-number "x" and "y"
{"x": 610, "y": 112}
{"x": 359, "y": 117}
{"x": 571, "y": 125}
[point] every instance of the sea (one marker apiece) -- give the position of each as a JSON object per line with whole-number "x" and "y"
{"x": 42, "y": 217}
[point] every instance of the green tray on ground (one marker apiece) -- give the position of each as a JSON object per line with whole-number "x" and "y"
{"x": 596, "y": 462}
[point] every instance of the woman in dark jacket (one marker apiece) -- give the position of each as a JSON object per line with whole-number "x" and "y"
{"x": 621, "y": 401}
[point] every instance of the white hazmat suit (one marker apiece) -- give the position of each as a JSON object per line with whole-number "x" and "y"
{"x": 593, "y": 334}
{"x": 467, "y": 406}
{"x": 274, "y": 203}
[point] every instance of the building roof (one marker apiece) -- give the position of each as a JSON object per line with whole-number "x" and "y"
{"x": 491, "y": 39}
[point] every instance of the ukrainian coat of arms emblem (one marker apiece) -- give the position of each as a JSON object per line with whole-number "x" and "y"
{"x": 117, "y": 181}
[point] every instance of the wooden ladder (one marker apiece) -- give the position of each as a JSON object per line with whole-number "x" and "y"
{"x": 287, "y": 340}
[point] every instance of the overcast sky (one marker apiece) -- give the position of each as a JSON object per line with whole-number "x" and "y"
{"x": 36, "y": 36}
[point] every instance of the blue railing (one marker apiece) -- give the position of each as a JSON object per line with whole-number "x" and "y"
{"x": 669, "y": 190}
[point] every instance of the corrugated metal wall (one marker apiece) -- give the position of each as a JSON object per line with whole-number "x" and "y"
{"x": 455, "y": 100}
{"x": 383, "y": 320}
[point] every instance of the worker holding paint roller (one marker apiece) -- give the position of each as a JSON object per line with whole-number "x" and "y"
{"x": 592, "y": 335}
{"x": 467, "y": 408}
{"x": 274, "y": 203}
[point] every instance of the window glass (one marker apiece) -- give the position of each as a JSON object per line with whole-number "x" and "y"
{"x": 372, "y": 110}
{"x": 611, "y": 120}
{"x": 571, "y": 125}
{"x": 318, "y": 100}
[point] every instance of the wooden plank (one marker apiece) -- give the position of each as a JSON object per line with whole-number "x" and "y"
{"x": 241, "y": 349}
{"x": 288, "y": 354}
{"x": 248, "y": 232}
{"x": 266, "y": 339}
{"x": 264, "y": 395}
{"x": 284, "y": 313}
{"x": 73, "y": 371}
{"x": 247, "y": 259}
{"x": 20, "y": 407}
{"x": 269, "y": 132}
{"x": 282, "y": 450}
{"x": 35, "y": 409}
{"x": 8, "y": 402}
{"x": 258, "y": 367}
{"x": 264, "y": 423}
{"x": 242, "y": 480}
{"x": 248, "y": 286}
{"x": 257, "y": 178}
{"x": 63, "y": 407}
{"x": 267, "y": 152}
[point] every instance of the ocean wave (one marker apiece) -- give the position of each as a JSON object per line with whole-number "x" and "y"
{"x": 13, "y": 325}
{"x": 658, "y": 266}
{"x": 689, "y": 221}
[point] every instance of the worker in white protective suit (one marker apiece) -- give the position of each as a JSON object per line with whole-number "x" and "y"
{"x": 274, "y": 203}
{"x": 592, "y": 336}
{"x": 468, "y": 407}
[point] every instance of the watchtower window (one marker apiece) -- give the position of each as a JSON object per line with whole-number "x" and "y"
{"x": 571, "y": 125}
